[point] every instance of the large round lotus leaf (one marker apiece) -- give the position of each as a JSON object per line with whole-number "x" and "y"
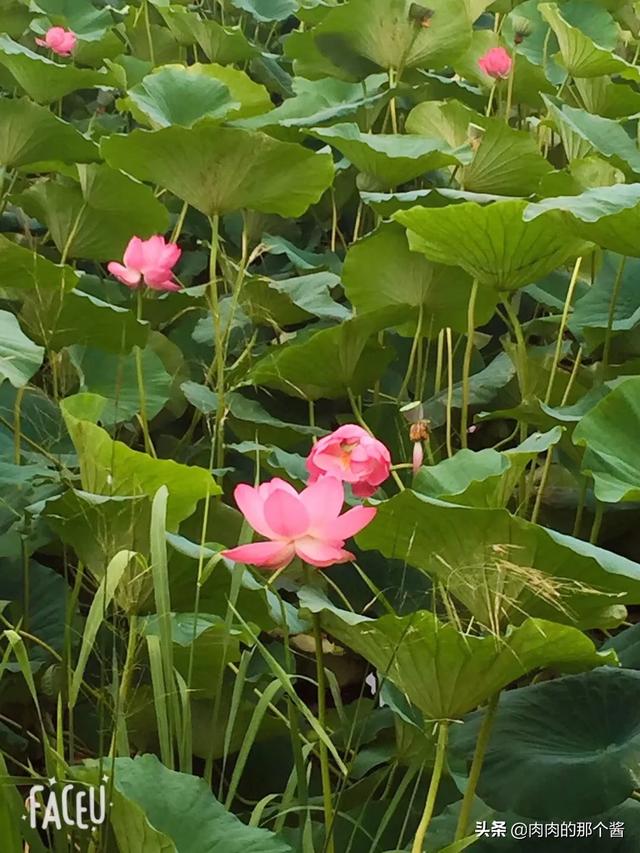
{"x": 20, "y": 358}
{"x": 391, "y": 159}
{"x": 608, "y": 216}
{"x": 318, "y": 102}
{"x": 26, "y": 272}
{"x": 480, "y": 554}
{"x": 582, "y": 56}
{"x": 492, "y": 243}
{"x": 592, "y": 315}
{"x": 57, "y": 320}
{"x": 42, "y": 79}
{"x": 444, "y": 672}
{"x": 177, "y": 811}
{"x": 80, "y": 16}
{"x": 174, "y": 94}
{"x": 609, "y": 433}
{"x": 564, "y": 749}
{"x": 110, "y": 467}
{"x": 220, "y": 170}
{"x": 371, "y": 281}
{"x": 506, "y": 161}
{"x": 30, "y": 134}
{"x": 328, "y": 362}
{"x": 390, "y": 33}
{"x": 268, "y": 10}
{"x": 582, "y": 134}
{"x": 96, "y": 216}
{"x": 482, "y": 478}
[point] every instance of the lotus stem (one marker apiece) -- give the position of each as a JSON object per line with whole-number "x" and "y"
{"x": 449, "y": 392}
{"x": 142, "y": 395}
{"x": 604, "y": 364}
{"x": 325, "y": 774}
{"x": 468, "y": 355}
{"x": 563, "y": 325}
{"x": 434, "y": 785}
{"x": 476, "y": 767}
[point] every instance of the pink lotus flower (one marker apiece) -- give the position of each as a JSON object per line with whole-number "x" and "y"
{"x": 150, "y": 261}
{"x": 58, "y": 40}
{"x": 496, "y": 63}
{"x": 351, "y": 455}
{"x": 307, "y": 524}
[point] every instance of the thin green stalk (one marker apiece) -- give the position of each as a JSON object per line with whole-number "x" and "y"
{"x": 542, "y": 485}
{"x": 466, "y": 369}
{"x": 476, "y": 766}
{"x": 142, "y": 394}
{"x": 449, "y": 393}
{"x": 17, "y": 425}
{"x": 512, "y": 74}
{"x": 392, "y": 102}
{"x": 127, "y": 676}
{"x": 606, "y": 351}
{"x": 417, "y": 339}
{"x": 434, "y": 785}
{"x": 147, "y": 26}
{"x": 597, "y": 523}
{"x": 563, "y": 325}
{"x": 325, "y": 774}
{"x": 521, "y": 349}
{"x": 218, "y": 356}
{"x": 577, "y": 524}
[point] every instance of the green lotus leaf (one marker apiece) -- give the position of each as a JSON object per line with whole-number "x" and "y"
{"x": 115, "y": 378}
{"x": 174, "y": 95}
{"x": 371, "y": 281}
{"x": 268, "y": 10}
{"x": 293, "y": 300}
{"x": 385, "y": 34}
{"x": 220, "y": 170}
{"x": 328, "y": 362}
{"x": 465, "y": 547}
{"x": 592, "y": 205}
{"x": 20, "y": 358}
{"x": 110, "y": 467}
{"x": 608, "y": 216}
{"x": 178, "y": 810}
{"x": 482, "y": 478}
{"x": 60, "y": 320}
{"x": 387, "y": 203}
{"x": 96, "y": 216}
{"x": 30, "y": 134}
{"x": 552, "y": 744}
{"x": 583, "y": 133}
{"x": 444, "y": 672}
{"x": 42, "y": 79}
{"x": 391, "y": 159}
{"x": 99, "y": 526}
{"x": 80, "y": 16}
{"x": 46, "y": 609}
{"x": 593, "y": 314}
{"x": 221, "y": 44}
{"x": 499, "y": 248}
{"x": 318, "y": 102}
{"x": 27, "y": 271}
{"x": 581, "y": 56}
{"x": 608, "y": 432}
{"x": 505, "y": 161}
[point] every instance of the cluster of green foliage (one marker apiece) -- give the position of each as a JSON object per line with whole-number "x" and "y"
{"x": 373, "y": 230}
